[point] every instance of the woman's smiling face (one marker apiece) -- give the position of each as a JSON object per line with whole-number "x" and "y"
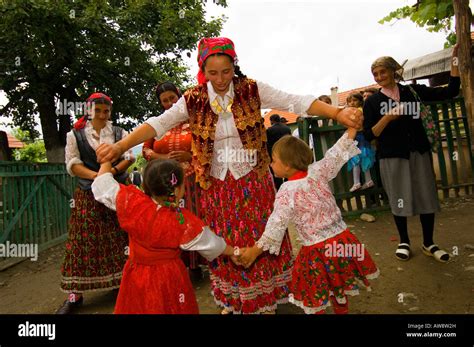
{"x": 219, "y": 70}
{"x": 383, "y": 76}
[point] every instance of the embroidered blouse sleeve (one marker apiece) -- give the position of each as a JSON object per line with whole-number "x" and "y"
{"x": 72, "y": 155}
{"x": 105, "y": 189}
{"x": 178, "y": 113}
{"x": 199, "y": 237}
{"x": 273, "y": 98}
{"x": 334, "y": 159}
{"x": 278, "y": 222}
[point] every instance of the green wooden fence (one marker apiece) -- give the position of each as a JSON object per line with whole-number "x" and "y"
{"x": 34, "y": 203}
{"x": 453, "y": 163}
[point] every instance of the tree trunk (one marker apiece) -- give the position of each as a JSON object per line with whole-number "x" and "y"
{"x": 54, "y": 140}
{"x": 463, "y": 16}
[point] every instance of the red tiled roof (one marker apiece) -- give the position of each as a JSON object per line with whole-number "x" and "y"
{"x": 341, "y": 97}
{"x": 13, "y": 142}
{"x": 290, "y": 117}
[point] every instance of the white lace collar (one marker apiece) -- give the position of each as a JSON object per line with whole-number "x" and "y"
{"x": 105, "y": 131}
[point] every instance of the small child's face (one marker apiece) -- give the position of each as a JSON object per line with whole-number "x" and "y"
{"x": 279, "y": 169}
{"x": 353, "y": 102}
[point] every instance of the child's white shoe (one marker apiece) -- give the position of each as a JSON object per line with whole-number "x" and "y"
{"x": 368, "y": 185}
{"x": 355, "y": 187}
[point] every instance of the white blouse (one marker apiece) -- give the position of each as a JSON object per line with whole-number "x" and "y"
{"x": 309, "y": 202}
{"x": 228, "y": 148}
{"x": 105, "y": 189}
{"x": 73, "y": 156}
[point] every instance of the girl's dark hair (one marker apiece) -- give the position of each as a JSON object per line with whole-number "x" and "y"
{"x": 237, "y": 70}
{"x": 158, "y": 179}
{"x": 166, "y": 87}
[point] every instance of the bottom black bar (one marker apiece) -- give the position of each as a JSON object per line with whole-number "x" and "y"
{"x": 379, "y": 330}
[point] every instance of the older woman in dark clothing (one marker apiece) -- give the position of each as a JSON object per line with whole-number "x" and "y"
{"x": 393, "y": 117}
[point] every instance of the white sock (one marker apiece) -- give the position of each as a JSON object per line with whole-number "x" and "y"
{"x": 356, "y": 174}
{"x": 367, "y": 176}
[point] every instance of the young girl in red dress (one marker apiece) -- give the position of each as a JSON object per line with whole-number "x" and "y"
{"x": 176, "y": 144}
{"x": 155, "y": 279}
{"x": 332, "y": 260}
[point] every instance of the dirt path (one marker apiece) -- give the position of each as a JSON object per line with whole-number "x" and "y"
{"x": 432, "y": 287}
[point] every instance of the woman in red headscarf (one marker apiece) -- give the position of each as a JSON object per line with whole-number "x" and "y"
{"x": 231, "y": 165}
{"x": 96, "y": 249}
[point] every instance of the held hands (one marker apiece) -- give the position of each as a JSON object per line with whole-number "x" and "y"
{"x": 245, "y": 256}
{"x": 106, "y": 152}
{"x": 148, "y": 151}
{"x": 350, "y": 117}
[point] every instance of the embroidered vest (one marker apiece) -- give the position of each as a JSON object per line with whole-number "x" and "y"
{"x": 248, "y": 120}
{"x": 89, "y": 157}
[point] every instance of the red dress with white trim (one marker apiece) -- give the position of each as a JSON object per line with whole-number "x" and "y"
{"x": 155, "y": 279}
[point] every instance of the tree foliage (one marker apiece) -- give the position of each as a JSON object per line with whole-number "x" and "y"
{"x": 34, "y": 150}
{"x": 434, "y": 15}
{"x": 56, "y": 51}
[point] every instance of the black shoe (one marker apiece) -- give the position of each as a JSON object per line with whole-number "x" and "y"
{"x": 69, "y": 307}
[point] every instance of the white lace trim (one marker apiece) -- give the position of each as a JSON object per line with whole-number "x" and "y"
{"x": 374, "y": 275}
{"x": 260, "y": 310}
{"x": 70, "y": 164}
{"x": 353, "y": 292}
{"x": 327, "y": 168}
{"x": 313, "y": 310}
{"x": 88, "y": 280}
{"x": 90, "y": 290}
{"x": 268, "y": 244}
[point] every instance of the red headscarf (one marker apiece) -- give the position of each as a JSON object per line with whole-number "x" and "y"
{"x": 81, "y": 123}
{"x": 212, "y": 45}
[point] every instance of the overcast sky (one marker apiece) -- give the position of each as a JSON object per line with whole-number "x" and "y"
{"x": 307, "y": 47}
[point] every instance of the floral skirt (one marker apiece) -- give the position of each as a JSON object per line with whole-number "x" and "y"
{"x": 238, "y": 211}
{"x": 334, "y": 267}
{"x": 96, "y": 249}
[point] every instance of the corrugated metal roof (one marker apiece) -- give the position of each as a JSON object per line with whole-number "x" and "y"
{"x": 428, "y": 65}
